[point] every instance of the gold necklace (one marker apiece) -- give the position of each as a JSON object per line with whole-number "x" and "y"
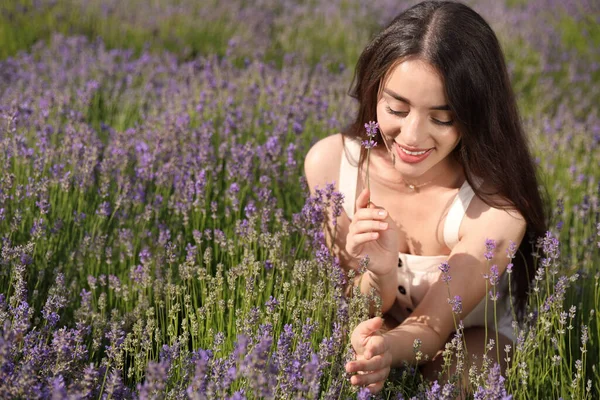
{"x": 414, "y": 187}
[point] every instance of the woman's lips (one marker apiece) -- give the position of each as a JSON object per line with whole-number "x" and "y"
{"x": 412, "y": 155}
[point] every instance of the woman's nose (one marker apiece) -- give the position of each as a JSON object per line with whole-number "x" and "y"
{"x": 411, "y": 129}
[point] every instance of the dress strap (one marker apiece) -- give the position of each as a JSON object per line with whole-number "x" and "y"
{"x": 349, "y": 174}
{"x": 456, "y": 213}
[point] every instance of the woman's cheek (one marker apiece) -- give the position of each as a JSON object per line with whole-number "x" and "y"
{"x": 388, "y": 124}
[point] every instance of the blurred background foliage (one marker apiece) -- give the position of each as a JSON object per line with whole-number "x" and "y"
{"x": 307, "y": 31}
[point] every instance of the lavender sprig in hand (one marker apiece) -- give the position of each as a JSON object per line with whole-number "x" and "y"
{"x": 372, "y": 128}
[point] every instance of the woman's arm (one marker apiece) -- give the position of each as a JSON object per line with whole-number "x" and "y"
{"x": 432, "y": 321}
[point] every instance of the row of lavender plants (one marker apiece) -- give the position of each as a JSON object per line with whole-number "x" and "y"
{"x": 158, "y": 240}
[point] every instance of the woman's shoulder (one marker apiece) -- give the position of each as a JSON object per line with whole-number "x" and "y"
{"x": 322, "y": 162}
{"x": 499, "y": 219}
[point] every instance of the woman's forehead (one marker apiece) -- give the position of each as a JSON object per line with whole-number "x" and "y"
{"x": 417, "y": 81}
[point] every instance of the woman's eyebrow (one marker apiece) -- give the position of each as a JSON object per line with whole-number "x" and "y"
{"x": 396, "y": 96}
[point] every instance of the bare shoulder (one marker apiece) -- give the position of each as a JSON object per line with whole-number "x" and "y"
{"x": 322, "y": 162}
{"x": 502, "y": 222}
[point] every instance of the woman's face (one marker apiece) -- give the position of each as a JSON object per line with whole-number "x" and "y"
{"x": 414, "y": 116}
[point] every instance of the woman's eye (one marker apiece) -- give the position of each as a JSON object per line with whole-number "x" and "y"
{"x": 398, "y": 113}
{"x": 405, "y": 113}
{"x": 444, "y": 123}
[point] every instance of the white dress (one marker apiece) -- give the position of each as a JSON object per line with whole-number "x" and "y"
{"x": 417, "y": 273}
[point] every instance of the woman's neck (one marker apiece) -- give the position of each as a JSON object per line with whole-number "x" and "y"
{"x": 446, "y": 174}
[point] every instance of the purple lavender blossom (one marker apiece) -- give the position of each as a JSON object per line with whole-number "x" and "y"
{"x": 551, "y": 246}
{"x": 55, "y": 302}
{"x": 200, "y": 359}
{"x": 490, "y": 247}
{"x": 43, "y": 205}
{"x": 511, "y": 250}
{"x": 445, "y": 270}
{"x": 509, "y": 268}
{"x": 232, "y": 193}
{"x": 21, "y": 317}
{"x": 311, "y": 374}
{"x": 494, "y": 275}
{"x": 434, "y": 391}
{"x": 250, "y": 209}
{"x": 494, "y": 386}
{"x": 38, "y": 228}
{"x": 494, "y": 296}
{"x": 271, "y": 304}
{"x": 364, "y": 394}
{"x": 259, "y": 370}
{"x": 104, "y": 209}
{"x": 268, "y": 265}
{"x": 88, "y": 386}
{"x": 238, "y": 395}
{"x": 456, "y": 304}
{"x": 285, "y": 360}
{"x": 114, "y": 386}
{"x": 59, "y": 390}
{"x": 155, "y": 381}
{"x": 372, "y": 128}
{"x": 444, "y": 267}
{"x": 363, "y": 264}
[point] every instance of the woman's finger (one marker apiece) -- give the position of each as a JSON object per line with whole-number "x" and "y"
{"x": 364, "y": 330}
{"x": 370, "y": 378}
{"x": 354, "y": 246}
{"x": 376, "y": 387}
{"x": 377, "y": 214}
{"x": 369, "y": 226}
{"x": 377, "y": 345}
{"x": 374, "y": 364}
{"x": 363, "y": 201}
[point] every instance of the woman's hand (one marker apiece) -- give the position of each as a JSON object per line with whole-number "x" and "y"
{"x": 373, "y": 358}
{"x": 372, "y": 232}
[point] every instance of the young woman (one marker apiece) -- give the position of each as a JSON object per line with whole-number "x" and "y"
{"x": 450, "y": 171}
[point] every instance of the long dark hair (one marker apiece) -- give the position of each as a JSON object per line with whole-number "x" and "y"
{"x": 463, "y": 48}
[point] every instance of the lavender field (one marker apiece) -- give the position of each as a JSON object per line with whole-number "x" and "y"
{"x": 158, "y": 238}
